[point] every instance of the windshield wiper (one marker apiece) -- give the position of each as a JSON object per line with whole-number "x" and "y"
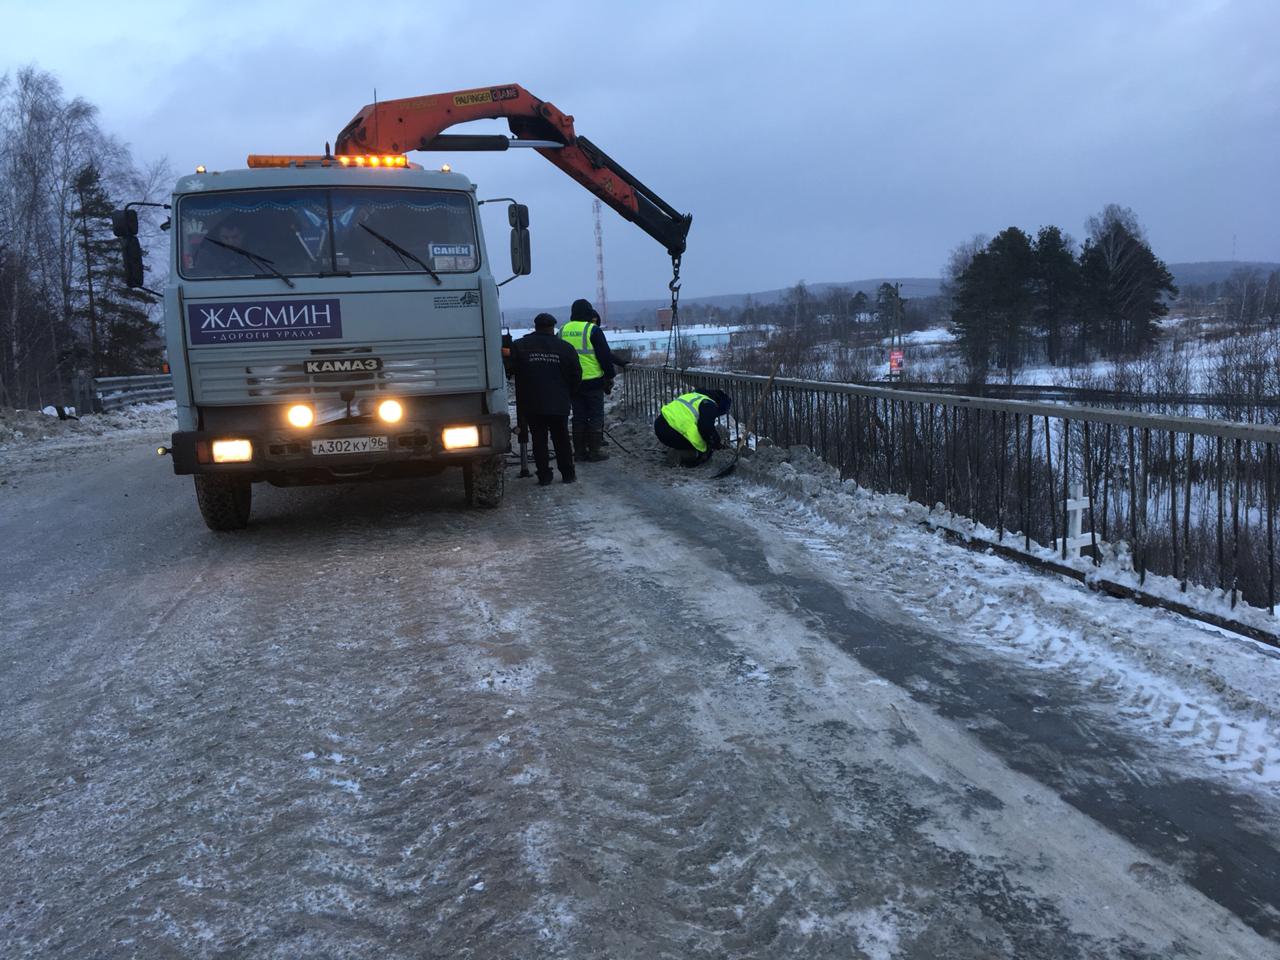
{"x": 255, "y": 258}
{"x": 402, "y": 252}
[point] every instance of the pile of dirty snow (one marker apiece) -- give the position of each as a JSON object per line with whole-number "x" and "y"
{"x": 23, "y": 428}
{"x": 1161, "y": 658}
{"x": 801, "y": 473}
{"x": 1211, "y": 697}
{"x": 30, "y": 438}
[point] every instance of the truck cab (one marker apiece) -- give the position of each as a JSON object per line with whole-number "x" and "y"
{"x": 333, "y": 321}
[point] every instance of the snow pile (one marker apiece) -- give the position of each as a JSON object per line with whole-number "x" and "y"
{"x": 22, "y": 428}
{"x": 1217, "y": 694}
{"x": 802, "y": 473}
{"x": 1205, "y": 700}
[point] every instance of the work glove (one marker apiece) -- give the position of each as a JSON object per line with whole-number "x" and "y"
{"x": 608, "y": 386}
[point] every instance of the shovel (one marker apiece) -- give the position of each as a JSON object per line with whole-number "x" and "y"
{"x": 751, "y": 424}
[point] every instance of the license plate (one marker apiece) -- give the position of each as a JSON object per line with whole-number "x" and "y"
{"x": 349, "y": 445}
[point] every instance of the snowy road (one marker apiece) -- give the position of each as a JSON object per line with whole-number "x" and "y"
{"x": 627, "y": 718}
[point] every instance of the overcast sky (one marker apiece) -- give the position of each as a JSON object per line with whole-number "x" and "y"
{"x": 816, "y": 141}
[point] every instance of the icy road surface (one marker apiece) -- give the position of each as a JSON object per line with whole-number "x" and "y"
{"x": 643, "y": 716}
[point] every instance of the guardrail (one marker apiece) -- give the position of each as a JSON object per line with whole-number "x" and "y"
{"x": 1048, "y": 393}
{"x": 1189, "y": 498}
{"x": 102, "y": 394}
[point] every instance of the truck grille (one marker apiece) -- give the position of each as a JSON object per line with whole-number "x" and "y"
{"x": 438, "y": 367}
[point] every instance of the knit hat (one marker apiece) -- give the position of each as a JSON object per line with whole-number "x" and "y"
{"x": 722, "y": 401}
{"x": 581, "y": 310}
{"x": 543, "y": 320}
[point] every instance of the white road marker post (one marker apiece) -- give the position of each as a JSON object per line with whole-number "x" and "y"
{"x": 1070, "y": 546}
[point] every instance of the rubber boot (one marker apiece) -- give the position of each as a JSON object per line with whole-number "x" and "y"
{"x": 595, "y": 443}
{"x": 579, "y": 442}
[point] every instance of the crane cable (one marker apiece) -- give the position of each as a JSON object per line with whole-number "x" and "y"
{"x": 673, "y": 340}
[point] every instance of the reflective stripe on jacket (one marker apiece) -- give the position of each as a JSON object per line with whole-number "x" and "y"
{"x": 578, "y": 335}
{"x": 682, "y": 414}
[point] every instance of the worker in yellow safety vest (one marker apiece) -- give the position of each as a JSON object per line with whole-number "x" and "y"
{"x": 688, "y": 424}
{"x": 583, "y": 333}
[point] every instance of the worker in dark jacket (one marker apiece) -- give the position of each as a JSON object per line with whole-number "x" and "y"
{"x": 584, "y": 335}
{"x": 547, "y": 373}
{"x": 688, "y": 424}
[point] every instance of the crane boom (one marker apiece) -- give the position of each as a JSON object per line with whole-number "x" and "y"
{"x": 417, "y": 123}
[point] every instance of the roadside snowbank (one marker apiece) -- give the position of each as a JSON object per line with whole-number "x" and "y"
{"x": 799, "y": 471}
{"x": 1216, "y": 694}
{"x": 1207, "y": 700}
{"x": 23, "y": 428}
{"x": 29, "y": 439}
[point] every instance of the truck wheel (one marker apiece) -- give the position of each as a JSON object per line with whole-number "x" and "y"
{"x": 484, "y": 481}
{"x": 224, "y": 501}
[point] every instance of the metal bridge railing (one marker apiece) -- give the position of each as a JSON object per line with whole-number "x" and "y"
{"x": 1234, "y": 406}
{"x": 1189, "y": 498}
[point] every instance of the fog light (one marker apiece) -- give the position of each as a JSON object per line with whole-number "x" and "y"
{"x": 390, "y": 411}
{"x": 301, "y": 415}
{"x": 456, "y": 438}
{"x": 232, "y": 451}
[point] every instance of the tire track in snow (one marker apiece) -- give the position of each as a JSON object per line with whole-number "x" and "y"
{"x": 296, "y": 762}
{"x": 1076, "y": 642}
{"x": 386, "y": 727}
{"x": 841, "y": 829}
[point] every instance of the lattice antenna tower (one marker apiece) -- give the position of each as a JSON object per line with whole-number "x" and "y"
{"x": 602, "y": 303}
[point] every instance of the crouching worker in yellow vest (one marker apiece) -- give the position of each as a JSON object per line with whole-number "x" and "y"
{"x": 688, "y": 424}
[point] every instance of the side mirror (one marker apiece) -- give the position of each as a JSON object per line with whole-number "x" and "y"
{"x": 132, "y": 250}
{"x": 521, "y": 252}
{"x": 521, "y": 255}
{"x": 124, "y": 223}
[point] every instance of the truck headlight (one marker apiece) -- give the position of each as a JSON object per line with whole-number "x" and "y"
{"x": 457, "y": 438}
{"x": 232, "y": 451}
{"x": 390, "y": 411}
{"x": 301, "y": 415}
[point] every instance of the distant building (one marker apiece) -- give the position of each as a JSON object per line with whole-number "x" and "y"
{"x": 751, "y": 336}
{"x": 708, "y": 339}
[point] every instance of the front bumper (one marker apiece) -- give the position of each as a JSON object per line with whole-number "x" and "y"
{"x": 280, "y": 453}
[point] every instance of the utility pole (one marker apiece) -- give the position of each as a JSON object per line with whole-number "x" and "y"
{"x": 602, "y": 303}
{"x": 897, "y": 306}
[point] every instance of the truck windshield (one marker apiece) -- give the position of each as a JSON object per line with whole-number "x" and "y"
{"x": 320, "y": 232}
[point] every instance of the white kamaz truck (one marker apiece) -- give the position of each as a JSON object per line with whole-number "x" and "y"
{"x": 334, "y": 318}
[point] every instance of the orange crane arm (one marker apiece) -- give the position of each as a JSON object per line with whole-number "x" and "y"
{"x": 416, "y": 123}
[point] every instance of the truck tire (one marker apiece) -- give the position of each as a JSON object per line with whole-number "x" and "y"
{"x": 224, "y": 501}
{"x": 484, "y": 481}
